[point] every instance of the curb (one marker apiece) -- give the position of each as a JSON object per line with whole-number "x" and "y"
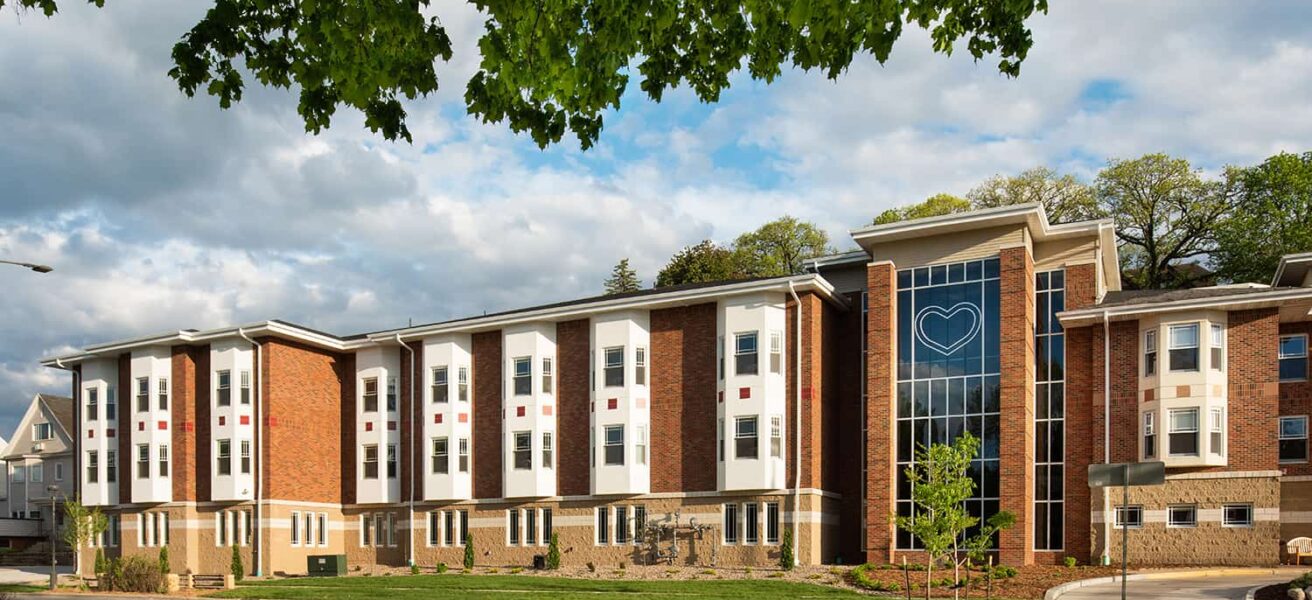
{"x": 1252, "y": 592}
{"x": 1056, "y": 592}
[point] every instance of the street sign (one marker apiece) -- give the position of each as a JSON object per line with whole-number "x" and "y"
{"x": 1116, "y": 474}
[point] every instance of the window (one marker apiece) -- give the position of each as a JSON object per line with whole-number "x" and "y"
{"x": 776, "y": 352}
{"x": 296, "y": 528}
{"x": 462, "y": 384}
{"x": 1183, "y": 434}
{"x": 93, "y": 396}
{"x": 531, "y": 526}
{"x": 603, "y": 525}
{"x": 719, "y": 357}
{"x": 744, "y": 437}
{"x": 719, "y": 440}
{"x": 752, "y": 518}
{"x": 42, "y": 432}
{"x": 221, "y": 528}
{"x": 744, "y": 354}
{"x": 639, "y": 523}
{"x": 111, "y": 404}
{"x": 163, "y": 460}
{"x": 307, "y": 529}
{"x": 163, "y": 393}
{"x": 114, "y": 530}
{"x": 512, "y": 526}
{"x": 1129, "y": 516}
{"x": 371, "y": 461}
{"x": 143, "y": 461}
{"x": 111, "y": 466}
{"x": 20, "y": 474}
{"x": 440, "y": 391}
{"x": 463, "y": 456}
{"x": 1217, "y": 354}
{"x": 391, "y": 461}
{"x": 1182, "y": 515}
{"x": 245, "y": 457}
{"x": 464, "y": 528}
{"x": 547, "y": 458}
{"x": 366, "y": 533}
{"x": 614, "y": 445}
{"x": 1293, "y": 357}
{"x": 225, "y": 388}
{"x": 523, "y": 376}
{"x": 1184, "y": 347}
{"x": 621, "y": 525}
{"x": 1237, "y": 515}
{"x": 546, "y": 525}
{"x": 1293, "y": 439}
{"x": 1149, "y": 435}
{"x": 245, "y": 387}
{"x": 640, "y": 365}
{"x": 614, "y": 368}
{"x": 391, "y": 394}
{"x": 1217, "y": 438}
{"x": 143, "y": 394}
{"x": 772, "y": 522}
{"x": 776, "y": 437}
{"x": 1149, "y": 353}
{"x": 640, "y": 444}
{"x": 523, "y": 450}
{"x": 371, "y": 394}
{"x": 546, "y": 376}
{"x": 37, "y": 473}
{"x": 448, "y": 528}
{"x": 441, "y": 460}
{"x": 731, "y": 523}
{"x": 225, "y": 457}
{"x": 59, "y": 471}
{"x": 322, "y": 530}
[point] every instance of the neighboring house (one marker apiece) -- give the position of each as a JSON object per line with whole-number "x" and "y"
{"x": 38, "y": 458}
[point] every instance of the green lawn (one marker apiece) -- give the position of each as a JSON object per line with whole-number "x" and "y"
{"x": 9, "y": 588}
{"x": 472, "y": 587}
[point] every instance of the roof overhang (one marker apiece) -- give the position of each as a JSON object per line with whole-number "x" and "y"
{"x": 190, "y": 336}
{"x": 1293, "y": 270}
{"x": 1271, "y": 299}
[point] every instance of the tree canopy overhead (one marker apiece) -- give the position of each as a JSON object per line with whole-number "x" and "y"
{"x": 549, "y": 68}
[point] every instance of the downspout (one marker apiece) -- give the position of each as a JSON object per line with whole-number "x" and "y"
{"x": 259, "y": 456}
{"x": 797, "y": 443}
{"x": 414, "y": 388}
{"x": 77, "y": 454}
{"x": 1108, "y": 518}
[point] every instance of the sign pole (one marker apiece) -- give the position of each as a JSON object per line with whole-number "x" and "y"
{"x": 1125, "y": 530}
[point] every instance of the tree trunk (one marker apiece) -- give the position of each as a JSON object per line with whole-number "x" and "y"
{"x": 929, "y": 576}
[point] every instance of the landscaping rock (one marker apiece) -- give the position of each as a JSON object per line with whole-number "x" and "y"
{"x": 1296, "y": 594}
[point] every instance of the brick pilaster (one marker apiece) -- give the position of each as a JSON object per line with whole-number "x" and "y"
{"x": 683, "y": 398}
{"x": 487, "y": 414}
{"x": 881, "y": 385}
{"x": 573, "y": 398}
{"x": 1016, "y": 344}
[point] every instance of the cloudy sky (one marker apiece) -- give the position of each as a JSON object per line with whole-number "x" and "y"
{"x": 160, "y": 212}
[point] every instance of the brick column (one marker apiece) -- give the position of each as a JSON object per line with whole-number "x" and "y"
{"x": 412, "y": 468}
{"x": 1016, "y": 343}
{"x": 487, "y": 414}
{"x": 126, "y": 459}
{"x": 1081, "y": 292}
{"x": 881, "y": 385}
{"x": 812, "y": 360}
{"x": 573, "y": 402}
{"x": 1253, "y": 389}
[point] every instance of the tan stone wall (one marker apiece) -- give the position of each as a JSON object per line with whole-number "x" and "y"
{"x": 1209, "y": 543}
{"x": 1295, "y": 508}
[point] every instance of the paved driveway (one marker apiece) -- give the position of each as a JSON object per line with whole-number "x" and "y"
{"x": 37, "y": 575}
{"x": 1191, "y": 586}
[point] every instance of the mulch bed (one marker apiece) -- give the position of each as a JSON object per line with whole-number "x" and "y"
{"x": 1028, "y": 583}
{"x": 1273, "y": 592}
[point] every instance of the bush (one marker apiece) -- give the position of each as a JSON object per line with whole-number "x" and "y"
{"x": 469, "y": 550}
{"x": 133, "y": 574}
{"x": 238, "y": 568}
{"x": 592, "y": 567}
{"x": 441, "y": 568}
{"x": 516, "y": 570}
{"x": 1302, "y": 581}
{"x": 861, "y": 578}
{"x": 553, "y": 552}
{"x": 1069, "y": 561}
{"x": 101, "y": 565}
{"x": 164, "y": 560}
{"x": 414, "y": 569}
{"x": 1004, "y": 572}
{"x": 786, "y": 560}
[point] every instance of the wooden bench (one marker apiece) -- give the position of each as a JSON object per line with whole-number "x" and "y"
{"x": 1298, "y": 548}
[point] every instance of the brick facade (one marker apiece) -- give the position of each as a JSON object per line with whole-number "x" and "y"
{"x": 881, "y": 382}
{"x": 573, "y": 402}
{"x": 682, "y": 395}
{"x": 1017, "y": 429}
{"x": 486, "y": 453}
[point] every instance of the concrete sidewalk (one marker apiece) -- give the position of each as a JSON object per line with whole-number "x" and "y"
{"x": 1210, "y": 584}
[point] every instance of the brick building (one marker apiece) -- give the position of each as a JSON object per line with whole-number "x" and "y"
{"x": 700, "y": 423}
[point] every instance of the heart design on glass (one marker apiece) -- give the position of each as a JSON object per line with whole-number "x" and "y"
{"x": 947, "y": 314}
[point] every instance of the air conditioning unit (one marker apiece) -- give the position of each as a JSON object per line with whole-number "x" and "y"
{"x": 39, "y": 446}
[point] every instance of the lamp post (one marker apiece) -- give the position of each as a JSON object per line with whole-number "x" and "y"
{"x": 54, "y": 574}
{"x": 34, "y": 267}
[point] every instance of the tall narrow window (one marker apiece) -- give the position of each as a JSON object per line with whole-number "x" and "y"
{"x": 306, "y": 531}
{"x": 1217, "y": 438}
{"x": 391, "y": 461}
{"x": 163, "y": 460}
{"x": 1217, "y": 353}
{"x": 546, "y": 525}
{"x": 1183, "y": 434}
{"x": 548, "y": 460}
{"x": 640, "y": 365}
{"x": 523, "y": 450}
{"x": 371, "y": 394}
{"x": 614, "y": 371}
{"x": 463, "y": 455}
{"x": 719, "y": 440}
{"x": 639, "y": 523}
{"x": 464, "y": 528}
{"x": 371, "y": 461}
{"x": 1293, "y": 439}
{"x": 530, "y": 526}
{"x": 772, "y": 522}
{"x": 719, "y": 357}
{"x": 391, "y": 394}
{"x": 1049, "y": 410}
{"x": 523, "y": 376}
{"x": 1184, "y": 347}
{"x": 93, "y": 399}
{"x": 603, "y": 525}
{"x": 1149, "y": 435}
{"x": 614, "y": 448}
{"x": 440, "y": 391}
{"x": 462, "y": 384}
{"x": 621, "y": 525}
{"x": 245, "y": 388}
{"x": 163, "y": 393}
{"x": 547, "y": 382}
{"x": 640, "y": 444}
{"x": 296, "y": 528}
{"x": 245, "y": 457}
{"x": 745, "y": 438}
{"x": 752, "y": 518}
{"x": 111, "y": 403}
{"x": 776, "y": 352}
{"x": 93, "y": 466}
{"x": 143, "y": 461}
{"x": 1293, "y": 357}
{"x": 512, "y": 526}
{"x": 731, "y": 523}
{"x": 449, "y": 528}
{"x": 143, "y": 394}
{"x": 744, "y": 354}
{"x": 776, "y": 437}
{"x": 366, "y": 530}
{"x": 225, "y": 388}
{"x": 322, "y": 529}
{"x": 111, "y": 466}
{"x": 441, "y": 460}
{"x": 225, "y": 457}
{"x": 1150, "y": 352}
{"x": 434, "y": 528}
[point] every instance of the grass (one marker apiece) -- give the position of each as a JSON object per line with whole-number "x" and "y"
{"x": 415, "y": 587}
{"x": 11, "y": 588}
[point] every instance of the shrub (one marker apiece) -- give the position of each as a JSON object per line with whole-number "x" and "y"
{"x": 861, "y": 578}
{"x": 134, "y": 574}
{"x": 164, "y": 560}
{"x": 414, "y": 569}
{"x": 238, "y": 568}
{"x": 441, "y": 568}
{"x": 553, "y": 552}
{"x": 101, "y": 565}
{"x": 1069, "y": 561}
{"x": 786, "y": 551}
{"x": 776, "y": 574}
{"x": 469, "y": 550}
{"x": 516, "y": 570}
{"x": 1003, "y": 572}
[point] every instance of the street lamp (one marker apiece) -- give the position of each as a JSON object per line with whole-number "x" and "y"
{"x": 54, "y": 574}
{"x": 34, "y": 267}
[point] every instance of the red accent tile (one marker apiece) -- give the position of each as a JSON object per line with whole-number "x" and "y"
{"x": 744, "y": 393}
{"x": 271, "y": 421}
{"x": 546, "y": 410}
{"x": 141, "y": 425}
{"x": 437, "y": 418}
{"x": 391, "y": 425}
{"x": 464, "y": 418}
{"x": 519, "y": 411}
{"x": 223, "y": 420}
{"x": 806, "y": 393}
{"x": 91, "y": 433}
{"x": 162, "y": 425}
{"x": 612, "y": 403}
{"x": 245, "y": 419}
{"x": 368, "y": 426}
{"x": 110, "y": 432}
{"x": 719, "y": 396}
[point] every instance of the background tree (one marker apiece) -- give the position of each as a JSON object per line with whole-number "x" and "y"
{"x": 551, "y": 67}
{"x": 1063, "y": 197}
{"x": 780, "y": 247}
{"x": 622, "y": 279}
{"x": 1165, "y": 216}
{"x": 1272, "y": 217}
{"x": 237, "y": 566}
{"x": 700, "y": 263}
{"x": 933, "y": 206}
{"x": 81, "y": 525}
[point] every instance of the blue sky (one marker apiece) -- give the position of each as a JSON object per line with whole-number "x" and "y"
{"x": 161, "y": 212}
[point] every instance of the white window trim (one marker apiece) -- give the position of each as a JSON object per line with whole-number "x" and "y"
{"x": 1197, "y": 430}
{"x": 1304, "y": 355}
{"x": 1196, "y": 347}
{"x": 1280, "y": 436}
{"x": 1226, "y": 507}
{"x": 1172, "y": 507}
{"x": 1116, "y": 516}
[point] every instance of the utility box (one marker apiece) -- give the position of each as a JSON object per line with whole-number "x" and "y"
{"x": 326, "y": 565}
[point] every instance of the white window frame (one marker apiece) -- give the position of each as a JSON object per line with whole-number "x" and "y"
{"x": 738, "y": 423}
{"x": 526, "y": 377}
{"x": 1225, "y": 515}
{"x": 1150, "y": 431}
{"x": 740, "y": 356}
{"x": 608, "y": 444}
{"x": 1281, "y": 356}
{"x": 640, "y": 365}
{"x": 1216, "y": 431}
{"x": 612, "y": 372}
{"x": 296, "y": 529}
{"x": 1280, "y": 436}
{"x": 1172, "y": 346}
{"x": 1171, "y": 431}
{"x": 548, "y": 379}
{"x": 1119, "y": 512}
{"x": 776, "y": 352}
{"x": 441, "y": 379}
{"x": 1216, "y": 354}
{"x": 1171, "y": 523}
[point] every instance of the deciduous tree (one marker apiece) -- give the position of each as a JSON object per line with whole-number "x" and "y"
{"x": 700, "y": 263}
{"x": 780, "y": 247}
{"x": 933, "y": 206}
{"x": 1064, "y": 198}
{"x": 1272, "y": 217}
